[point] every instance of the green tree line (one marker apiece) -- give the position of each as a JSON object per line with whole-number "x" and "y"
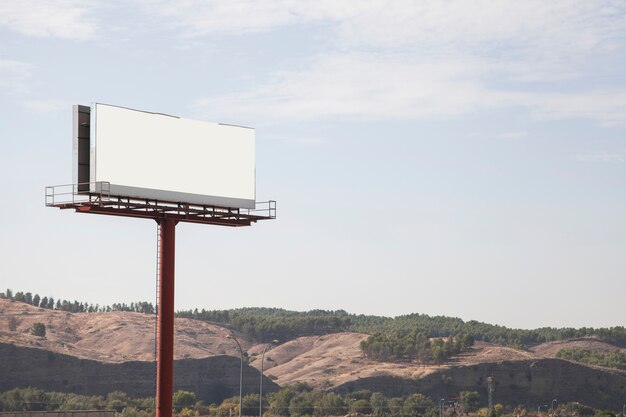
{"x": 612, "y": 359}
{"x": 414, "y": 345}
{"x": 75, "y": 306}
{"x": 297, "y": 400}
{"x": 265, "y": 324}
{"x": 34, "y": 399}
{"x": 294, "y": 401}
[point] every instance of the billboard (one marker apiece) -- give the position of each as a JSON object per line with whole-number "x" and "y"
{"x": 148, "y": 155}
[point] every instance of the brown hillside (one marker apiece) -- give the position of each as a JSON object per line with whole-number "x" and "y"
{"x": 527, "y": 382}
{"x": 550, "y": 349}
{"x": 212, "y": 378}
{"x": 336, "y": 359}
{"x": 321, "y": 361}
{"x": 109, "y": 337}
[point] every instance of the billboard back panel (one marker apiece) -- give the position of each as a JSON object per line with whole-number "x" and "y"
{"x": 156, "y": 156}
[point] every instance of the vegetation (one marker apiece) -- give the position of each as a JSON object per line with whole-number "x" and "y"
{"x": 294, "y": 401}
{"x": 76, "y": 306}
{"x": 413, "y": 345}
{"x": 34, "y": 399}
{"x": 38, "y": 329}
{"x": 184, "y": 399}
{"x": 470, "y": 401}
{"x": 265, "y": 324}
{"x": 613, "y": 359}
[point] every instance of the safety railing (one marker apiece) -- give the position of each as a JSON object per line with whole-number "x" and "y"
{"x": 77, "y": 193}
{"x": 263, "y": 208}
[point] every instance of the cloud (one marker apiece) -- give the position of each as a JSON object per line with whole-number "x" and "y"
{"x": 358, "y": 86}
{"x": 45, "y": 105}
{"x": 608, "y": 107}
{"x": 389, "y": 22}
{"x": 390, "y": 60}
{"x": 14, "y": 75}
{"x": 602, "y": 156}
{"x": 15, "y": 68}
{"x": 429, "y": 59}
{"x": 512, "y": 135}
{"x": 199, "y": 18}
{"x": 481, "y": 26}
{"x": 400, "y": 87}
{"x": 299, "y": 139}
{"x": 66, "y": 19}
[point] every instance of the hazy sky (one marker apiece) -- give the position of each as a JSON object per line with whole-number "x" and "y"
{"x": 460, "y": 158}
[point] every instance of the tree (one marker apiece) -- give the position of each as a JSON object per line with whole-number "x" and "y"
{"x": 279, "y": 401}
{"x": 470, "y": 401}
{"x": 361, "y": 407}
{"x": 395, "y": 405}
{"x": 362, "y": 394}
{"x": 416, "y": 405}
{"x": 439, "y": 354}
{"x": 184, "y": 399}
{"x": 9, "y": 294}
{"x": 250, "y": 403}
{"x": 497, "y": 410}
{"x": 377, "y": 400}
{"x": 300, "y": 405}
{"x": 185, "y": 412}
{"x": 36, "y": 300}
{"x": 117, "y": 400}
{"x": 331, "y": 404}
{"x": 605, "y": 414}
{"x": 38, "y": 329}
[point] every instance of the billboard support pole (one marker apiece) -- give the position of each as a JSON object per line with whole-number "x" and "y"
{"x": 165, "y": 343}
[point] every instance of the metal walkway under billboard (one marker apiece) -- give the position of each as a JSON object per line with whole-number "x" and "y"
{"x": 69, "y": 197}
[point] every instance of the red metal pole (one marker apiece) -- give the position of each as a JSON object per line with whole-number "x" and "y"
{"x": 165, "y": 344}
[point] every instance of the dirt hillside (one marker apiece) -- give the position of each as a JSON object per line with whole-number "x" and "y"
{"x": 335, "y": 359}
{"x": 109, "y": 337}
{"x": 550, "y": 349}
{"x": 321, "y": 361}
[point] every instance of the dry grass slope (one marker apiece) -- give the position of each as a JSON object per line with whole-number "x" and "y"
{"x": 109, "y": 337}
{"x": 320, "y": 361}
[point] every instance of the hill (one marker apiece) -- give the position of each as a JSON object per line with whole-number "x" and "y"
{"x": 551, "y": 349}
{"x": 110, "y": 336}
{"x": 265, "y": 324}
{"x": 327, "y": 361}
{"x": 212, "y": 379}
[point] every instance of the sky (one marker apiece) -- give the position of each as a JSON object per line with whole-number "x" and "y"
{"x": 458, "y": 158}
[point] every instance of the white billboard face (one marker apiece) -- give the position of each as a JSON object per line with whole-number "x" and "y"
{"x": 156, "y": 156}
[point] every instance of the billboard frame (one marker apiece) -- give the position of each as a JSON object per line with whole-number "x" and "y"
{"x": 101, "y": 197}
{"x": 88, "y": 161}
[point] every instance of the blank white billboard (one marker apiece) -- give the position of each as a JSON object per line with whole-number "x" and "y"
{"x": 156, "y": 156}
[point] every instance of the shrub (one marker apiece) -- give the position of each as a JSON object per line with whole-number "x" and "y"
{"x": 38, "y": 329}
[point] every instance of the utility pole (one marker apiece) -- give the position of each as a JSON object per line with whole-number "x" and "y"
{"x": 490, "y": 390}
